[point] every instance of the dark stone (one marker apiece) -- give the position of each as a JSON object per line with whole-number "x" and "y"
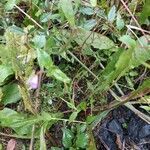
{"x": 115, "y": 127}
{"x": 144, "y": 132}
{"x": 108, "y": 138}
{"x": 135, "y": 131}
{"x": 134, "y": 127}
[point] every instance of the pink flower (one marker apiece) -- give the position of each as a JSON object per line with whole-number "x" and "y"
{"x": 33, "y": 82}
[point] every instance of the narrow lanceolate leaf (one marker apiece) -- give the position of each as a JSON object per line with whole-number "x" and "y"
{"x": 119, "y": 22}
{"x": 93, "y": 3}
{"x": 42, "y": 140}
{"x": 67, "y": 8}
{"x": 112, "y": 14}
{"x": 115, "y": 69}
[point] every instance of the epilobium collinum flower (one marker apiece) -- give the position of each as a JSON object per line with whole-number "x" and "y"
{"x": 33, "y": 81}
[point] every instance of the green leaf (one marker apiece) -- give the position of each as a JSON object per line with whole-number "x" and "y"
{"x": 10, "y": 118}
{"x": 22, "y": 124}
{"x": 99, "y": 118}
{"x": 89, "y": 24}
{"x": 1, "y": 94}
{"x": 5, "y": 72}
{"x": 67, "y": 8}
{"x": 119, "y": 22}
{"x": 126, "y": 39}
{"x": 147, "y": 108}
{"x": 16, "y": 30}
{"x": 141, "y": 53}
{"x": 81, "y": 128}
{"x": 73, "y": 116}
{"x": 10, "y": 4}
{"x": 87, "y": 11}
{"x": 48, "y": 16}
{"x": 39, "y": 41}
{"x": 56, "y": 148}
{"x": 44, "y": 59}
{"x": 45, "y": 62}
{"x": 124, "y": 61}
{"x": 10, "y": 94}
{"x": 45, "y": 17}
{"x": 67, "y": 138}
{"x": 93, "y": 3}
{"x": 42, "y": 139}
{"x": 58, "y": 74}
{"x": 112, "y": 14}
{"x": 82, "y": 140}
{"x": 90, "y": 38}
{"x": 145, "y": 12}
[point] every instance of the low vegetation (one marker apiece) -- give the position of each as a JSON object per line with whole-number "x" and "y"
{"x": 65, "y": 64}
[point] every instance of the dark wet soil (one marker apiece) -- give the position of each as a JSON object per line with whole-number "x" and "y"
{"x": 122, "y": 129}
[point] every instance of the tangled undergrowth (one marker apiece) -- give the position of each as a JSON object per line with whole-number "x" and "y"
{"x": 65, "y": 65}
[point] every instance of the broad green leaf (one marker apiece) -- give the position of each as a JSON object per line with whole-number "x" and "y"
{"x": 112, "y": 14}
{"x": 10, "y": 94}
{"x": 67, "y": 138}
{"x": 126, "y": 39}
{"x": 81, "y": 128}
{"x": 48, "y": 16}
{"x": 44, "y": 59}
{"x": 5, "y": 72}
{"x": 45, "y": 17}
{"x": 22, "y": 124}
{"x": 42, "y": 140}
{"x": 73, "y": 116}
{"x": 67, "y": 8}
{"x": 87, "y": 11}
{"x": 9, "y": 118}
{"x": 142, "y": 51}
{"x": 16, "y": 30}
{"x": 93, "y": 3}
{"x": 119, "y": 22}
{"x": 145, "y": 12}
{"x": 124, "y": 61}
{"x": 45, "y": 62}
{"x": 90, "y": 38}
{"x": 89, "y": 24}
{"x": 82, "y": 140}
{"x": 39, "y": 41}
{"x": 10, "y": 4}
{"x": 58, "y": 74}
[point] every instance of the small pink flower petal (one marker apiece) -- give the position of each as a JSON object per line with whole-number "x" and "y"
{"x": 11, "y": 144}
{"x": 33, "y": 82}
